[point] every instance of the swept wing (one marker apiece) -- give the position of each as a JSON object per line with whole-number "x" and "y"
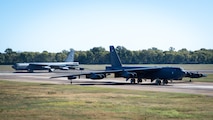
{"x": 126, "y": 73}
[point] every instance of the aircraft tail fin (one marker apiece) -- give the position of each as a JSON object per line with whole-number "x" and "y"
{"x": 70, "y": 57}
{"x": 115, "y": 59}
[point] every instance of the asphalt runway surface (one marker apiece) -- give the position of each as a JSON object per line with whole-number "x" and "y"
{"x": 202, "y": 88}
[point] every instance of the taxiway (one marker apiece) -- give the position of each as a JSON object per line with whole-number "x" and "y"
{"x": 201, "y": 88}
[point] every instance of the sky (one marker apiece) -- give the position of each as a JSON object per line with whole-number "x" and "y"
{"x": 56, "y": 25}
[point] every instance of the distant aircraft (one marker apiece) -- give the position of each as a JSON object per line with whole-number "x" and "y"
{"x": 153, "y": 73}
{"x": 51, "y": 66}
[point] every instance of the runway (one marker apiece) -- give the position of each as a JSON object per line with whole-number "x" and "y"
{"x": 201, "y": 88}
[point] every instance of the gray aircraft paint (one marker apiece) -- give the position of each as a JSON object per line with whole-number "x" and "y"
{"x": 68, "y": 64}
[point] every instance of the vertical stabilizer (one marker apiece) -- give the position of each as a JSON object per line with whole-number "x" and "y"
{"x": 115, "y": 60}
{"x": 70, "y": 57}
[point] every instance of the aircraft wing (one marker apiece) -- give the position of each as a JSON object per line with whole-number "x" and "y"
{"x": 126, "y": 73}
{"x": 92, "y": 75}
{"x": 34, "y": 65}
{"x": 49, "y": 65}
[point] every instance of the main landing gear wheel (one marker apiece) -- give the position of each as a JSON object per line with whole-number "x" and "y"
{"x": 132, "y": 81}
{"x": 30, "y": 70}
{"x": 165, "y": 82}
{"x": 51, "y": 70}
{"x": 158, "y": 82}
{"x": 139, "y": 80}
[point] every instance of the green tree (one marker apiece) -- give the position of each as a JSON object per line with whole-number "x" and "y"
{"x": 82, "y": 57}
{"x": 125, "y": 55}
{"x": 98, "y": 54}
{"x": 10, "y": 56}
{"x": 59, "y": 57}
{"x": 169, "y": 57}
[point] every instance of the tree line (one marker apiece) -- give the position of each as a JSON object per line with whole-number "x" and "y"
{"x": 98, "y": 55}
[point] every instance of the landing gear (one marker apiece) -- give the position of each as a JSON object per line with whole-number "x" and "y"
{"x": 132, "y": 81}
{"x": 139, "y": 80}
{"x": 51, "y": 70}
{"x": 30, "y": 70}
{"x": 158, "y": 81}
{"x": 165, "y": 82}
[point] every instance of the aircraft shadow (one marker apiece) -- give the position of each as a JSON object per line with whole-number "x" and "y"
{"x": 116, "y": 83}
{"x": 29, "y": 72}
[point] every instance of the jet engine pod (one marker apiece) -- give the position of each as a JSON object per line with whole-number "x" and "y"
{"x": 127, "y": 74}
{"x": 71, "y": 77}
{"x": 64, "y": 68}
{"x": 95, "y": 76}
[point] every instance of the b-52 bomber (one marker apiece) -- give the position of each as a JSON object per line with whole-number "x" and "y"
{"x": 161, "y": 75}
{"x": 50, "y": 66}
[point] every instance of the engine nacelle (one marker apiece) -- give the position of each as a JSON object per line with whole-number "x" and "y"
{"x": 64, "y": 68}
{"x": 51, "y": 70}
{"x": 126, "y": 74}
{"x": 71, "y": 77}
{"x": 81, "y": 68}
{"x": 95, "y": 76}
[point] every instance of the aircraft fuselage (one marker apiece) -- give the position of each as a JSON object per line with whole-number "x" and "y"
{"x": 43, "y": 66}
{"x": 164, "y": 73}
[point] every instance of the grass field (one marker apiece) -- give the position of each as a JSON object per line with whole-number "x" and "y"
{"x": 209, "y": 78}
{"x": 6, "y": 68}
{"x": 28, "y": 101}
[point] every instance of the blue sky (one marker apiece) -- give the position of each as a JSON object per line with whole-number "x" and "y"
{"x": 56, "y": 25}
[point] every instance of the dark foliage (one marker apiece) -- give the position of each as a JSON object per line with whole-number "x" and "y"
{"x": 98, "y": 55}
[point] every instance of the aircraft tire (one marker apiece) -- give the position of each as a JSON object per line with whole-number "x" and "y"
{"x": 139, "y": 80}
{"x": 51, "y": 70}
{"x": 158, "y": 82}
{"x": 165, "y": 82}
{"x": 30, "y": 70}
{"x": 132, "y": 81}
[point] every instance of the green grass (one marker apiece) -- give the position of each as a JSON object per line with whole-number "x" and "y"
{"x": 6, "y": 68}
{"x": 208, "y": 78}
{"x": 45, "y": 101}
